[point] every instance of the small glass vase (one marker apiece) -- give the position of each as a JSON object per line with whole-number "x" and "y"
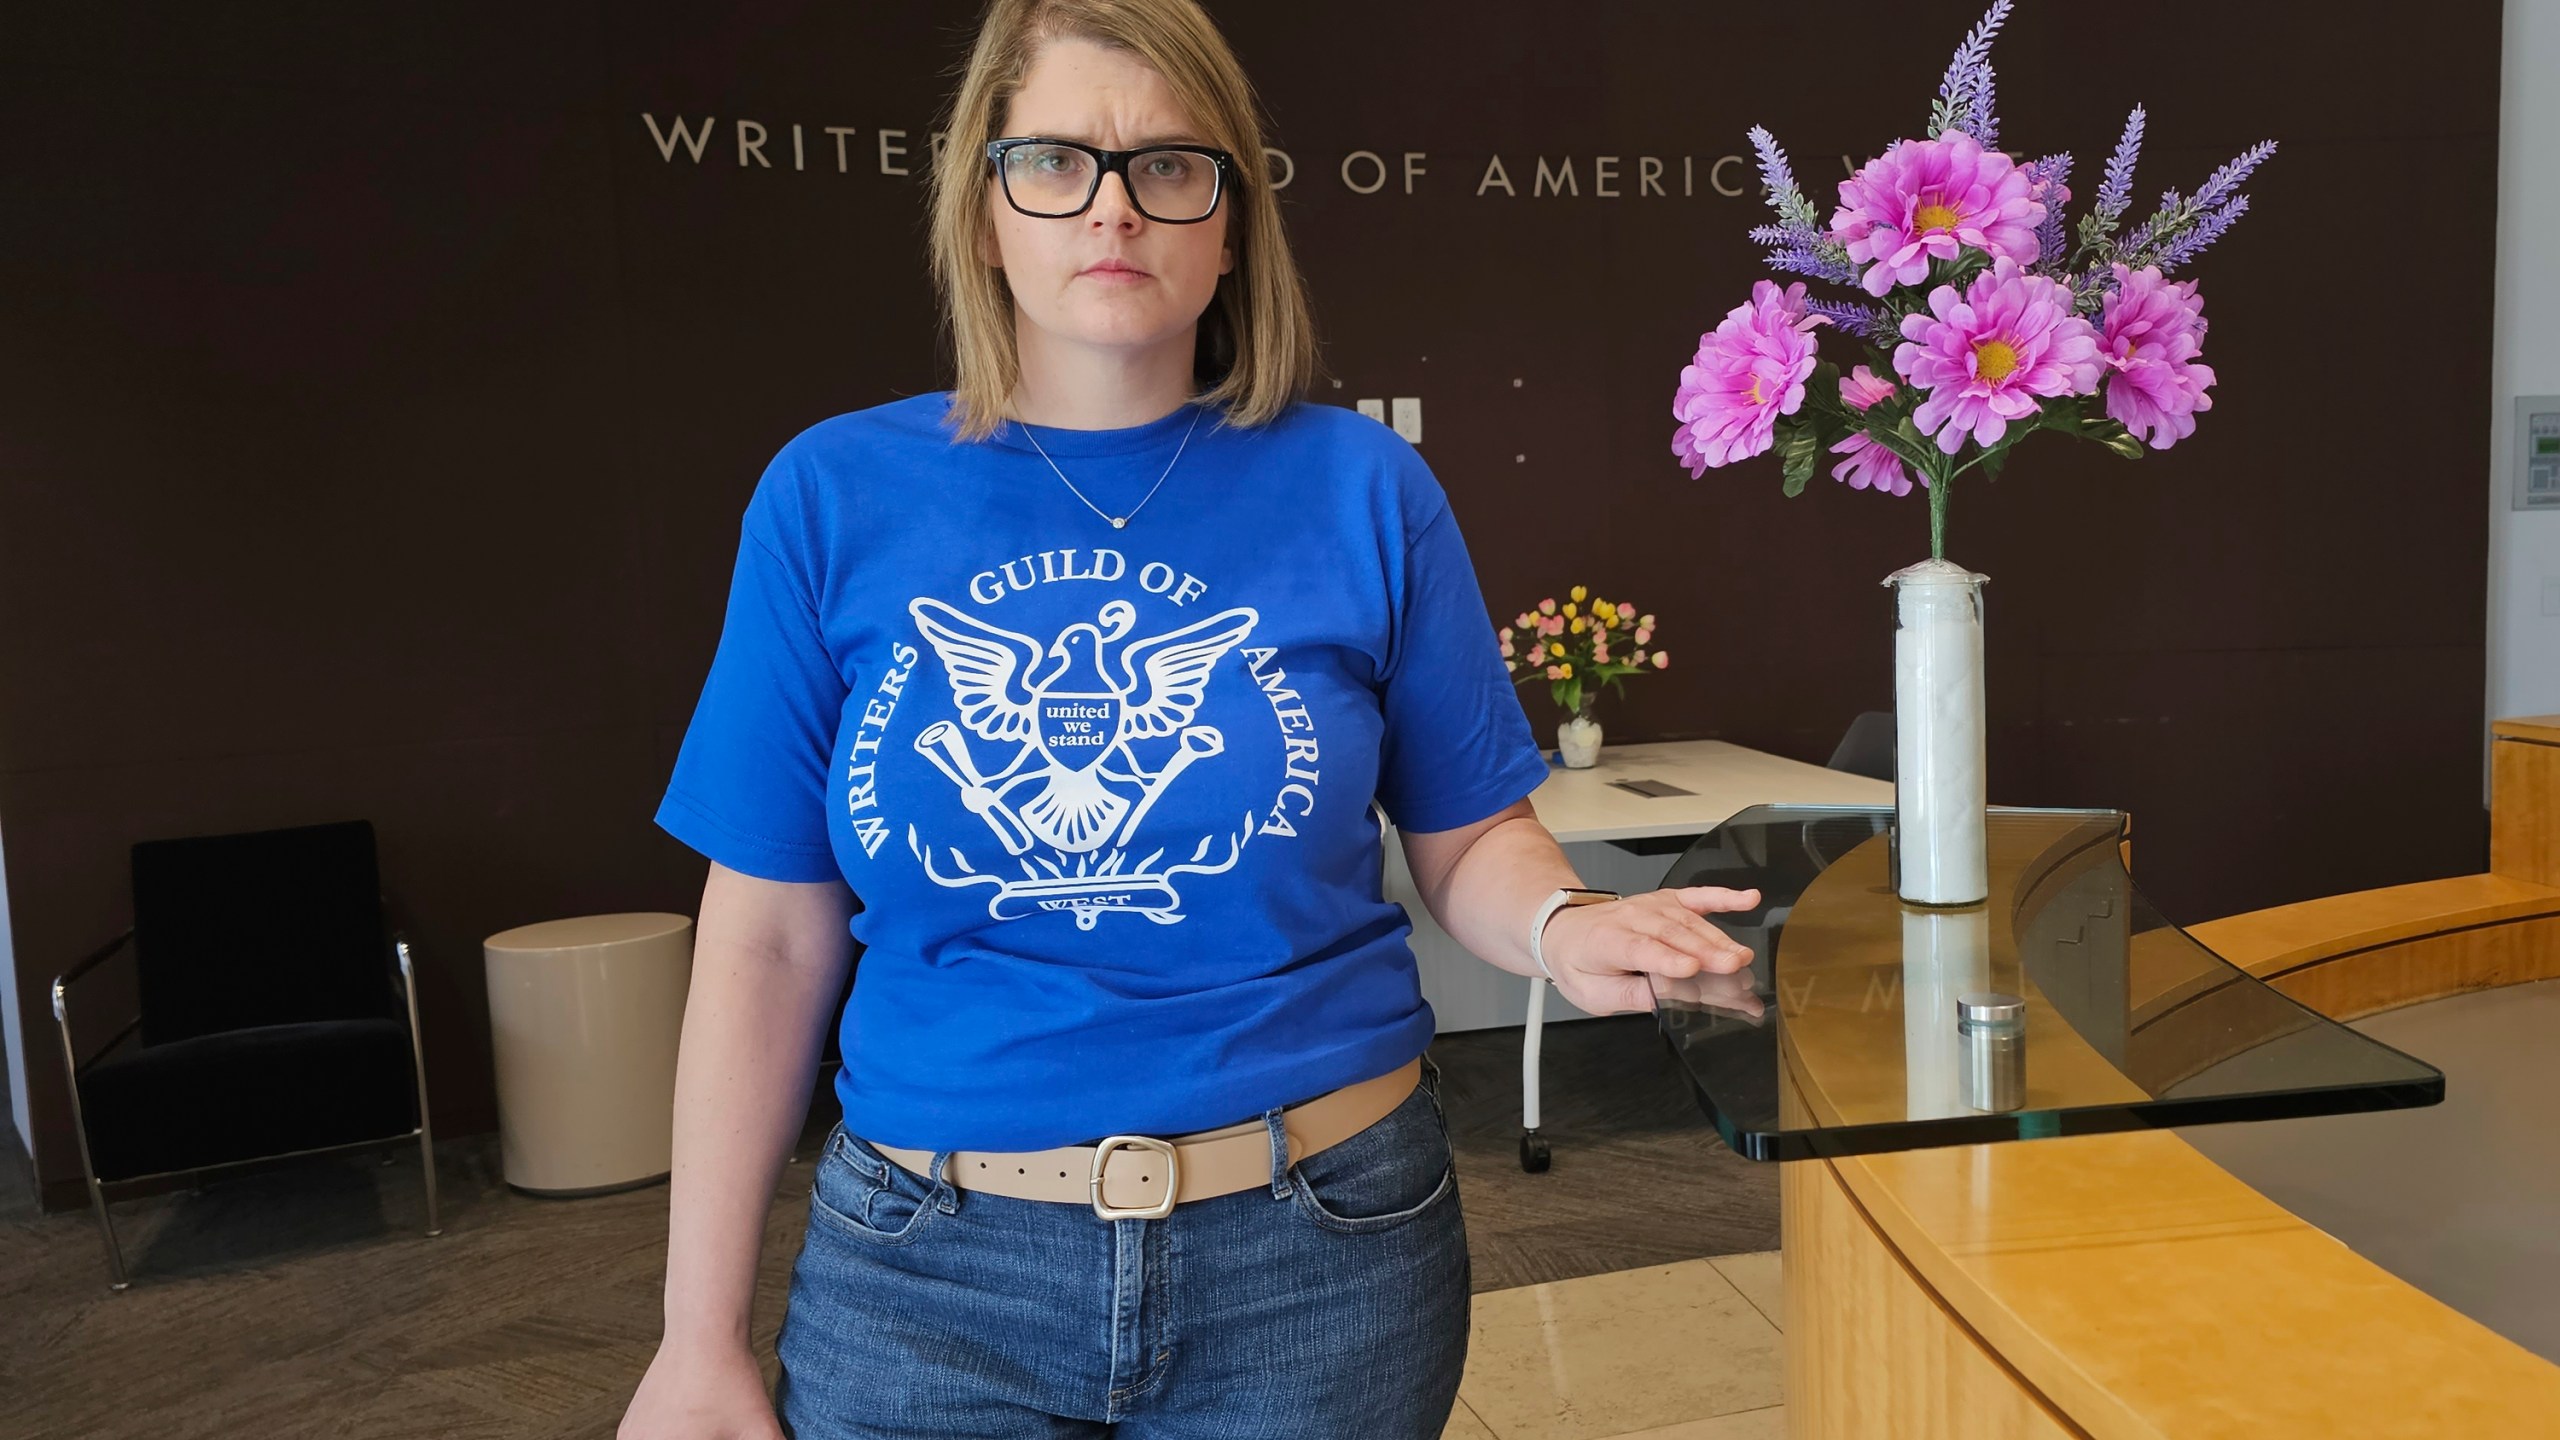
{"x": 1938, "y": 789}
{"x": 1578, "y": 739}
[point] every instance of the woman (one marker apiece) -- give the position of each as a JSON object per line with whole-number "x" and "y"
{"x": 1084, "y": 677}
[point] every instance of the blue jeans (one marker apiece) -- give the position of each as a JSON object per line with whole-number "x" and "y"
{"x": 1329, "y": 1305}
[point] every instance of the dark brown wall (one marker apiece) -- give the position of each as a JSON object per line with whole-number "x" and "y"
{"x": 379, "y": 405}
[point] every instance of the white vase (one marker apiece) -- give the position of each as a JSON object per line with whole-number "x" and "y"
{"x": 1578, "y": 741}
{"x": 1938, "y": 795}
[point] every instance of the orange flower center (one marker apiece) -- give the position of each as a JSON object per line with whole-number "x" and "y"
{"x": 1935, "y": 214}
{"x": 1994, "y": 361}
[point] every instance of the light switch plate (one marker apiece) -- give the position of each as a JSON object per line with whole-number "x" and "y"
{"x": 1375, "y": 410}
{"x": 1408, "y": 412}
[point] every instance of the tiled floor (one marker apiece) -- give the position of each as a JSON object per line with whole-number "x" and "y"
{"x": 302, "y": 1302}
{"x": 1671, "y": 1352}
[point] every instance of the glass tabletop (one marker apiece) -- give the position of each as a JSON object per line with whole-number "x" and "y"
{"x": 2063, "y": 1005}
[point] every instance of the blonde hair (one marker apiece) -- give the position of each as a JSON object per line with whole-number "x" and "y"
{"x": 1256, "y": 350}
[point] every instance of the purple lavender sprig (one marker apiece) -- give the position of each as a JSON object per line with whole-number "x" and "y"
{"x": 2046, "y": 177}
{"x": 2115, "y": 192}
{"x": 2143, "y": 234}
{"x": 1820, "y": 262}
{"x": 2175, "y": 228}
{"x": 1868, "y": 322}
{"x": 2207, "y": 230}
{"x": 1796, "y": 215}
{"x": 1982, "y": 120}
{"x": 1964, "y": 94}
{"x": 2219, "y": 187}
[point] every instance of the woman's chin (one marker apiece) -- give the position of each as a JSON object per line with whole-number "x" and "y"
{"x": 1118, "y": 327}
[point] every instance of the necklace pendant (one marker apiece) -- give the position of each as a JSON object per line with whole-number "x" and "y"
{"x": 1119, "y": 522}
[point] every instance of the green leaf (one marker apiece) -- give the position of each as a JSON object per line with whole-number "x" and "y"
{"x": 1799, "y": 448}
{"x": 1996, "y": 457}
{"x": 2064, "y": 416}
{"x": 1906, "y": 441}
{"x": 2117, "y": 438}
{"x": 2071, "y": 420}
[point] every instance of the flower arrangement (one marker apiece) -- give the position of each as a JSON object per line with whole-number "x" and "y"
{"x": 1980, "y": 323}
{"x": 1572, "y": 647}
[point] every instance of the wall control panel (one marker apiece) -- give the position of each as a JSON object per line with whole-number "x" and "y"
{"x": 2537, "y": 452}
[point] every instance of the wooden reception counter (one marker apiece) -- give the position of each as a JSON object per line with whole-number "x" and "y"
{"x": 2123, "y": 1285}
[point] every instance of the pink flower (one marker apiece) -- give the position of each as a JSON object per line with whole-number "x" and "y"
{"x": 1626, "y": 611}
{"x": 1644, "y": 636}
{"x": 1555, "y": 672}
{"x": 1749, "y": 371}
{"x": 1506, "y": 644}
{"x": 1547, "y": 607}
{"x": 1871, "y": 462}
{"x": 1986, "y": 358}
{"x": 1661, "y": 659}
{"x": 1552, "y": 625}
{"x": 1923, "y": 199}
{"x": 1600, "y": 652}
{"x": 2148, "y": 335}
{"x": 1526, "y": 620}
{"x": 1862, "y": 388}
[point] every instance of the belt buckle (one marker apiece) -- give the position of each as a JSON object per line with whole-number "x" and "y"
{"x": 1172, "y": 1178}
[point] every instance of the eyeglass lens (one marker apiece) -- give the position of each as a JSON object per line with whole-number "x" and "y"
{"x": 1058, "y": 180}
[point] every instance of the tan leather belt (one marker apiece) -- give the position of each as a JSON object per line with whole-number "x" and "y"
{"x": 1138, "y": 1177}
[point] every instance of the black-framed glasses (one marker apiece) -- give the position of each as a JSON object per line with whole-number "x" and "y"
{"x": 1055, "y": 179}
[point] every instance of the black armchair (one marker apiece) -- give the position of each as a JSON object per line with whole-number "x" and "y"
{"x": 278, "y": 1016}
{"x": 1867, "y": 748}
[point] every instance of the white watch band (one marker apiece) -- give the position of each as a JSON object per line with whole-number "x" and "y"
{"x": 1547, "y": 908}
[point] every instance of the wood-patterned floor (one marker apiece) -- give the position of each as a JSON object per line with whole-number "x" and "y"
{"x": 303, "y": 1302}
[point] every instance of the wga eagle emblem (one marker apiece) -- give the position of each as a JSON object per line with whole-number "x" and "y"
{"x": 1076, "y": 711}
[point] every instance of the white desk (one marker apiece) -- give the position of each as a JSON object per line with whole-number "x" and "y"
{"x": 1585, "y": 810}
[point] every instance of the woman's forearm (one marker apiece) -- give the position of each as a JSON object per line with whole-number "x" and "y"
{"x": 1484, "y": 891}
{"x": 1486, "y": 881}
{"x": 769, "y": 960}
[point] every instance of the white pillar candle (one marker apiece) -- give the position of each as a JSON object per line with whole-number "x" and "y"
{"x": 1938, "y": 742}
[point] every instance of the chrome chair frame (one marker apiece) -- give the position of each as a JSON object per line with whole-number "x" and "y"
{"x": 98, "y": 1189}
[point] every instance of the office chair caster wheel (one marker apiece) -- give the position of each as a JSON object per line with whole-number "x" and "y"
{"x": 1534, "y": 1156}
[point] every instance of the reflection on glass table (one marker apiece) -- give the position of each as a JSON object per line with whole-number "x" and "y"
{"x": 2089, "y": 1011}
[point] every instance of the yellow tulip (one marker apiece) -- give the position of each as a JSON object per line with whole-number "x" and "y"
{"x": 1569, "y": 610}
{"x": 1568, "y": 671}
{"x": 1580, "y": 593}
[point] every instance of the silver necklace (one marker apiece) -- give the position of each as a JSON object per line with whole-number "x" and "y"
{"x": 1118, "y": 522}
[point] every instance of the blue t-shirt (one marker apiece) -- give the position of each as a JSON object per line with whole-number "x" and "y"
{"x": 1103, "y": 794}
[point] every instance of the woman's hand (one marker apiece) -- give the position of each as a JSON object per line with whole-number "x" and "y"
{"x": 1602, "y": 953}
{"x": 701, "y": 1391}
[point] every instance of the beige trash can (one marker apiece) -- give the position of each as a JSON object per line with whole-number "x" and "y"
{"x": 584, "y": 1015}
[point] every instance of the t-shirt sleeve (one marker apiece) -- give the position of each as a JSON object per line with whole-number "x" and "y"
{"x": 749, "y": 788}
{"x": 1457, "y": 746}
